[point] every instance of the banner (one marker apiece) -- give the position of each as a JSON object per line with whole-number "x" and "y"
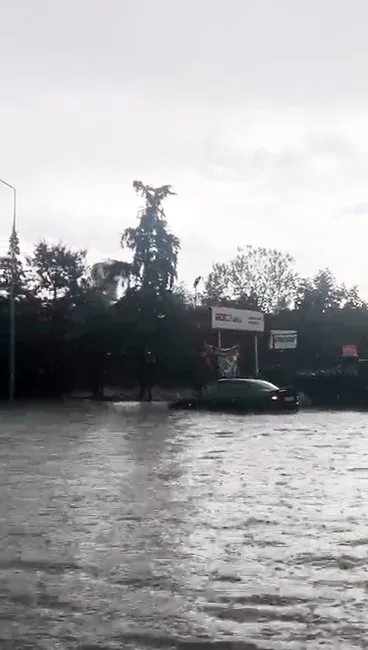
{"x": 283, "y": 339}
{"x": 224, "y": 318}
{"x": 349, "y": 350}
{"x": 224, "y": 360}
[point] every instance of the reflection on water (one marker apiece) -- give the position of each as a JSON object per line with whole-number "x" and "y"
{"x": 131, "y": 527}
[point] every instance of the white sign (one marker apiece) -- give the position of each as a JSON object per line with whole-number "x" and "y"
{"x": 283, "y": 339}
{"x": 224, "y": 318}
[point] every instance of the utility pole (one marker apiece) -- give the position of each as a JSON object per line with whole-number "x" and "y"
{"x": 12, "y": 296}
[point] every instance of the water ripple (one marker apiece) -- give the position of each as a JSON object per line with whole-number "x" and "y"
{"x": 132, "y": 527}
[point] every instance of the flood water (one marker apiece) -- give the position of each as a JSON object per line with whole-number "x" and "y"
{"x": 131, "y": 527}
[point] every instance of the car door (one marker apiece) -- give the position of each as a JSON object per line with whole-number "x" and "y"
{"x": 242, "y": 396}
{"x": 259, "y": 393}
{"x": 218, "y": 396}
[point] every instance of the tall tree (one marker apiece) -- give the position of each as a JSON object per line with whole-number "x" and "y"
{"x": 59, "y": 280}
{"x": 155, "y": 249}
{"x": 256, "y": 277}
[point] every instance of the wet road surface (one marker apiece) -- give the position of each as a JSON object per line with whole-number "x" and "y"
{"x": 131, "y": 527}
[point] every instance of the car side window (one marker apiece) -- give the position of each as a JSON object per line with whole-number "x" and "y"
{"x": 259, "y": 388}
{"x": 236, "y": 390}
{"x": 226, "y": 390}
{"x": 240, "y": 390}
{"x": 251, "y": 389}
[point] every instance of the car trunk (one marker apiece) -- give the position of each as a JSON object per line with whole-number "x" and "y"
{"x": 285, "y": 396}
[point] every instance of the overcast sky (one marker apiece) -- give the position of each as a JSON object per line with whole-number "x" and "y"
{"x": 256, "y": 111}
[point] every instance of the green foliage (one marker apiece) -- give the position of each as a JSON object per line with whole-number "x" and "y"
{"x": 57, "y": 271}
{"x": 323, "y": 293}
{"x": 257, "y": 278}
{"x": 155, "y": 249}
{"x": 108, "y": 275}
{"x": 15, "y": 267}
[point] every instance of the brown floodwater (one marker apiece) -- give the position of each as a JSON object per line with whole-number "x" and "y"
{"x": 126, "y": 526}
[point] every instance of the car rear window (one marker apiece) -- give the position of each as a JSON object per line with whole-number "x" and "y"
{"x": 263, "y": 385}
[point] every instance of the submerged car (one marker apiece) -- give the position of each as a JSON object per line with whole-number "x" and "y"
{"x": 241, "y": 395}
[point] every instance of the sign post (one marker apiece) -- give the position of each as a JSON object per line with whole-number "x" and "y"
{"x": 239, "y": 320}
{"x": 256, "y": 364}
{"x": 12, "y": 296}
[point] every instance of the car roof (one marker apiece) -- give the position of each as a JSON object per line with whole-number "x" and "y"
{"x": 244, "y": 380}
{"x": 238, "y": 379}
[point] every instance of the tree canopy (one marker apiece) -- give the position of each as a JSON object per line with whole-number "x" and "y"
{"x": 258, "y": 278}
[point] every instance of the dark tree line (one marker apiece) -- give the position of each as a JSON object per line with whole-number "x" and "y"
{"x": 118, "y": 322}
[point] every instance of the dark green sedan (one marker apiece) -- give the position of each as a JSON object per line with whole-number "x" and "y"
{"x": 241, "y": 395}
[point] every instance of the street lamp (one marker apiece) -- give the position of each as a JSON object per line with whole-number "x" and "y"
{"x": 12, "y": 298}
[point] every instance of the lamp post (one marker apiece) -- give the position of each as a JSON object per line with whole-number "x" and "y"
{"x": 12, "y": 298}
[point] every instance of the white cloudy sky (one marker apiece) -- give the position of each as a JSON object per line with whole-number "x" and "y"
{"x": 256, "y": 111}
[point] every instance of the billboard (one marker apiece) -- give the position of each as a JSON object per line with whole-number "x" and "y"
{"x": 241, "y": 320}
{"x": 283, "y": 339}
